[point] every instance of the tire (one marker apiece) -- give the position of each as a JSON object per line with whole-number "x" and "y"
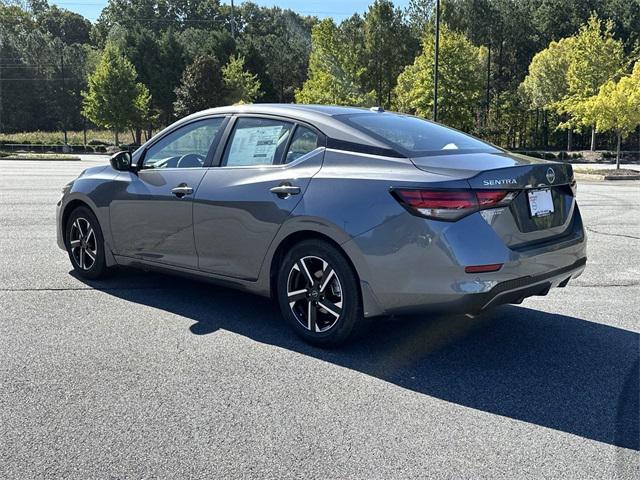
{"x": 313, "y": 275}
{"x": 85, "y": 244}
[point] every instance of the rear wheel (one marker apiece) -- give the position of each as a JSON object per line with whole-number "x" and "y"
{"x": 318, "y": 293}
{"x": 85, "y": 244}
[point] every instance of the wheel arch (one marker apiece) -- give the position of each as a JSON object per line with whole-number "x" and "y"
{"x": 288, "y": 242}
{"x": 70, "y": 207}
{"x": 370, "y": 304}
{"x": 75, "y": 203}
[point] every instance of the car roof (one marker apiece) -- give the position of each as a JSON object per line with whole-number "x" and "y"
{"x": 325, "y": 118}
{"x": 288, "y": 109}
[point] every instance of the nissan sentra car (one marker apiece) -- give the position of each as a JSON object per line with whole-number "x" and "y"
{"x": 340, "y": 214}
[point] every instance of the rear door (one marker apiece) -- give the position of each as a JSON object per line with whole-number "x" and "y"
{"x": 152, "y": 212}
{"x": 262, "y": 175}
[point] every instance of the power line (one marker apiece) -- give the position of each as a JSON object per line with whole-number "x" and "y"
{"x": 35, "y": 79}
{"x": 28, "y": 66}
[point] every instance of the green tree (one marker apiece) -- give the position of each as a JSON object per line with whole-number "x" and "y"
{"x": 281, "y": 39}
{"x": 389, "y": 47}
{"x": 595, "y": 57}
{"x": 333, "y": 77}
{"x": 616, "y": 107}
{"x": 159, "y": 62}
{"x": 419, "y": 14}
{"x": 546, "y": 85}
{"x": 201, "y": 86}
{"x": 68, "y": 26}
{"x": 114, "y": 99}
{"x": 196, "y": 42}
{"x": 145, "y": 117}
{"x": 460, "y": 80}
{"x": 240, "y": 86}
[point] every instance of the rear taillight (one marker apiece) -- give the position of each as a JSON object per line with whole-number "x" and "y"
{"x": 450, "y": 205}
{"x": 491, "y": 198}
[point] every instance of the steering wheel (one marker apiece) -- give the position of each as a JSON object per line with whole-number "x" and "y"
{"x": 191, "y": 160}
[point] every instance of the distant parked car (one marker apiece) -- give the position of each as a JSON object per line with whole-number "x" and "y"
{"x": 339, "y": 213}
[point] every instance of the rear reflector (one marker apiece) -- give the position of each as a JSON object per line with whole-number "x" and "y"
{"x": 483, "y": 268}
{"x": 450, "y": 204}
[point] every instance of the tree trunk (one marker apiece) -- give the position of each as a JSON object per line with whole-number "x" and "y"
{"x": 593, "y": 138}
{"x": 537, "y": 135}
{"x": 618, "y": 151}
{"x": 569, "y": 139}
{"x": 116, "y": 137}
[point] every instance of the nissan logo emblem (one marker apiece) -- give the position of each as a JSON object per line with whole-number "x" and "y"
{"x": 551, "y": 175}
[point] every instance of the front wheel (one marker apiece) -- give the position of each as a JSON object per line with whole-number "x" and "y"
{"x": 85, "y": 244}
{"x": 318, "y": 293}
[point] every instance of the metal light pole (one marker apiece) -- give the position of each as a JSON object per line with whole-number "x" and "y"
{"x": 64, "y": 96}
{"x": 1, "y": 129}
{"x": 435, "y": 63}
{"x": 488, "y": 94}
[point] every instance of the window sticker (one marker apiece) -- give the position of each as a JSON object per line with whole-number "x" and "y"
{"x": 254, "y": 146}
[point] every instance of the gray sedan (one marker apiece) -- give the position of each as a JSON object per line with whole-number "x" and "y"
{"x": 340, "y": 214}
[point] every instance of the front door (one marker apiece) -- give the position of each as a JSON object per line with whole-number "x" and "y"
{"x": 152, "y": 214}
{"x": 239, "y": 207}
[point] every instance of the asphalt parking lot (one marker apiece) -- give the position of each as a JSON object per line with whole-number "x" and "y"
{"x": 147, "y": 376}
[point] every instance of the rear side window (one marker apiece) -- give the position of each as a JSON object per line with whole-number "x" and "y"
{"x": 415, "y": 137}
{"x": 304, "y": 141}
{"x": 257, "y": 141}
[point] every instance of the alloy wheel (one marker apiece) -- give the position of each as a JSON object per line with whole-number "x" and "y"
{"x": 314, "y": 294}
{"x": 83, "y": 243}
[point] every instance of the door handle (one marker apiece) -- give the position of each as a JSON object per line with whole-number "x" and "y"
{"x": 182, "y": 190}
{"x": 285, "y": 190}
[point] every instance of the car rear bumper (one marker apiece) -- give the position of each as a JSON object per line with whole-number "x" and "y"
{"x": 409, "y": 265}
{"x": 516, "y": 290}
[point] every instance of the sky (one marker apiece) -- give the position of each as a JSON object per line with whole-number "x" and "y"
{"x": 338, "y": 9}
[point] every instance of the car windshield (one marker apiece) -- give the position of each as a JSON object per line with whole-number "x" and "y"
{"x": 416, "y": 137}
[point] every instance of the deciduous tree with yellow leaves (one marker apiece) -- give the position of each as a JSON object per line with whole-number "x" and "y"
{"x": 616, "y": 107}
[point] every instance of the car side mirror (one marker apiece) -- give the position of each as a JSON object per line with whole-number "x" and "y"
{"x": 121, "y": 161}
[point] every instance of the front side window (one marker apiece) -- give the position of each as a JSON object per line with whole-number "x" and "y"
{"x": 416, "y": 137}
{"x": 257, "y": 141}
{"x": 304, "y": 141}
{"x": 186, "y": 147}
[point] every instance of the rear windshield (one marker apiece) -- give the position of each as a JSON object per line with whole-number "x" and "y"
{"x": 415, "y": 137}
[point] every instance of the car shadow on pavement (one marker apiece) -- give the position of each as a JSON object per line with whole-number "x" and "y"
{"x": 556, "y": 371}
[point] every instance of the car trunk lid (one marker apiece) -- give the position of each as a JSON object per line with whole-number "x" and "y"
{"x": 516, "y": 224}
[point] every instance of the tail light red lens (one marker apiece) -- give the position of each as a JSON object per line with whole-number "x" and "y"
{"x": 450, "y": 205}
{"x": 438, "y": 199}
{"x": 488, "y": 198}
